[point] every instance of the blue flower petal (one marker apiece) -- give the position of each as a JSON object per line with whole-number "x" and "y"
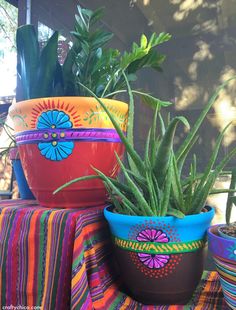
{"x": 54, "y": 119}
{"x": 56, "y": 152}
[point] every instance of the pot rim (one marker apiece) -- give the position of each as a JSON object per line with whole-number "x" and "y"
{"x": 73, "y": 97}
{"x": 213, "y": 232}
{"x": 209, "y": 213}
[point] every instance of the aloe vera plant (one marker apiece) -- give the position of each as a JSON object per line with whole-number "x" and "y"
{"x": 89, "y": 61}
{"x": 154, "y": 185}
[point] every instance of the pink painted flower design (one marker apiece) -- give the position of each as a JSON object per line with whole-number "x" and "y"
{"x": 153, "y": 261}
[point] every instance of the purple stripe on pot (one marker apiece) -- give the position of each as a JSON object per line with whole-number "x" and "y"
{"x": 79, "y": 134}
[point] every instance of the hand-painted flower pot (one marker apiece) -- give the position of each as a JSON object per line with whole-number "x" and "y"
{"x": 224, "y": 255}
{"x": 160, "y": 258}
{"x": 63, "y": 138}
{"x": 25, "y": 192}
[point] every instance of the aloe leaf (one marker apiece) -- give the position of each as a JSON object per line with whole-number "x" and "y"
{"x": 130, "y": 150}
{"x": 130, "y": 128}
{"x": 85, "y": 178}
{"x": 188, "y": 188}
{"x": 153, "y": 200}
{"x": 136, "y": 192}
{"x": 200, "y": 197}
{"x": 165, "y": 149}
{"x": 47, "y": 68}
{"x": 130, "y": 206}
{"x": 152, "y": 101}
{"x": 162, "y": 124}
{"x": 231, "y": 200}
{"x": 28, "y": 52}
{"x": 176, "y": 186}
{"x": 183, "y": 156}
{"x": 188, "y": 140}
{"x": 154, "y": 141}
{"x": 147, "y": 146}
{"x": 212, "y": 159}
{"x": 176, "y": 213}
{"x": 165, "y": 201}
{"x": 221, "y": 191}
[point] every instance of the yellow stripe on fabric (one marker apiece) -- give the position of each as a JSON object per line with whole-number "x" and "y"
{"x": 31, "y": 262}
{"x": 204, "y": 295}
{"x": 48, "y": 257}
{"x": 56, "y": 236}
{"x": 77, "y": 278}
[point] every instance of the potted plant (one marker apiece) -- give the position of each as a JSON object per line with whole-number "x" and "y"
{"x": 60, "y": 130}
{"x": 222, "y": 244}
{"x": 159, "y": 218}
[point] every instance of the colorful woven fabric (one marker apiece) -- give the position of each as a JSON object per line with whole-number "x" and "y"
{"x": 54, "y": 259}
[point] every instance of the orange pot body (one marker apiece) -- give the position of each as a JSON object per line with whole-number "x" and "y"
{"x": 63, "y": 138}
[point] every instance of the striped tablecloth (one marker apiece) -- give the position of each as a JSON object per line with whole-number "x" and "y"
{"x": 62, "y": 259}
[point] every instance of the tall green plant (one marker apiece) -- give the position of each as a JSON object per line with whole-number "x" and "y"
{"x": 89, "y": 61}
{"x": 154, "y": 185}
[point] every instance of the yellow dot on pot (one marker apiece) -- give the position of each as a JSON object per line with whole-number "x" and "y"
{"x": 54, "y": 135}
{"x": 45, "y": 135}
{"x": 54, "y": 143}
{"x": 62, "y": 134}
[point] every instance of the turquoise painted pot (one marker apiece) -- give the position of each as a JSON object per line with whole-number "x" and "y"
{"x": 161, "y": 258}
{"x": 224, "y": 255}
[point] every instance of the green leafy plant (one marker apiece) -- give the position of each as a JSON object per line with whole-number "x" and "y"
{"x": 89, "y": 61}
{"x": 155, "y": 185}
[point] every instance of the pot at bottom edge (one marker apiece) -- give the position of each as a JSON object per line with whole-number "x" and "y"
{"x": 161, "y": 258}
{"x": 224, "y": 255}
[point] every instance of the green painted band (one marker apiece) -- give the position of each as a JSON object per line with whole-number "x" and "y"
{"x": 157, "y": 247}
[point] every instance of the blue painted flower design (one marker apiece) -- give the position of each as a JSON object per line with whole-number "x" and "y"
{"x": 55, "y": 150}
{"x": 54, "y": 119}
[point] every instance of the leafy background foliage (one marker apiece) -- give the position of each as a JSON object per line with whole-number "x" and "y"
{"x": 88, "y": 61}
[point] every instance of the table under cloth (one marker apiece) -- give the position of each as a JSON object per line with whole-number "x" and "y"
{"x": 62, "y": 259}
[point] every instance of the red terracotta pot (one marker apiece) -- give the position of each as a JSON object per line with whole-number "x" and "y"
{"x": 61, "y": 139}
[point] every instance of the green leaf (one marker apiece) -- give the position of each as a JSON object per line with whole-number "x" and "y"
{"x": 131, "y": 151}
{"x": 165, "y": 199}
{"x": 84, "y": 178}
{"x": 135, "y": 190}
{"x": 200, "y": 197}
{"x": 129, "y": 205}
{"x": 67, "y": 70}
{"x": 143, "y": 41}
{"x": 177, "y": 186}
{"x": 151, "y": 101}
{"x": 212, "y": 160}
{"x": 184, "y": 148}
{"x": 165, "y": 149}
{"x": 28, "y": 52}
{"x": 176, "y": 213}
{"x": 47, "y": 68}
